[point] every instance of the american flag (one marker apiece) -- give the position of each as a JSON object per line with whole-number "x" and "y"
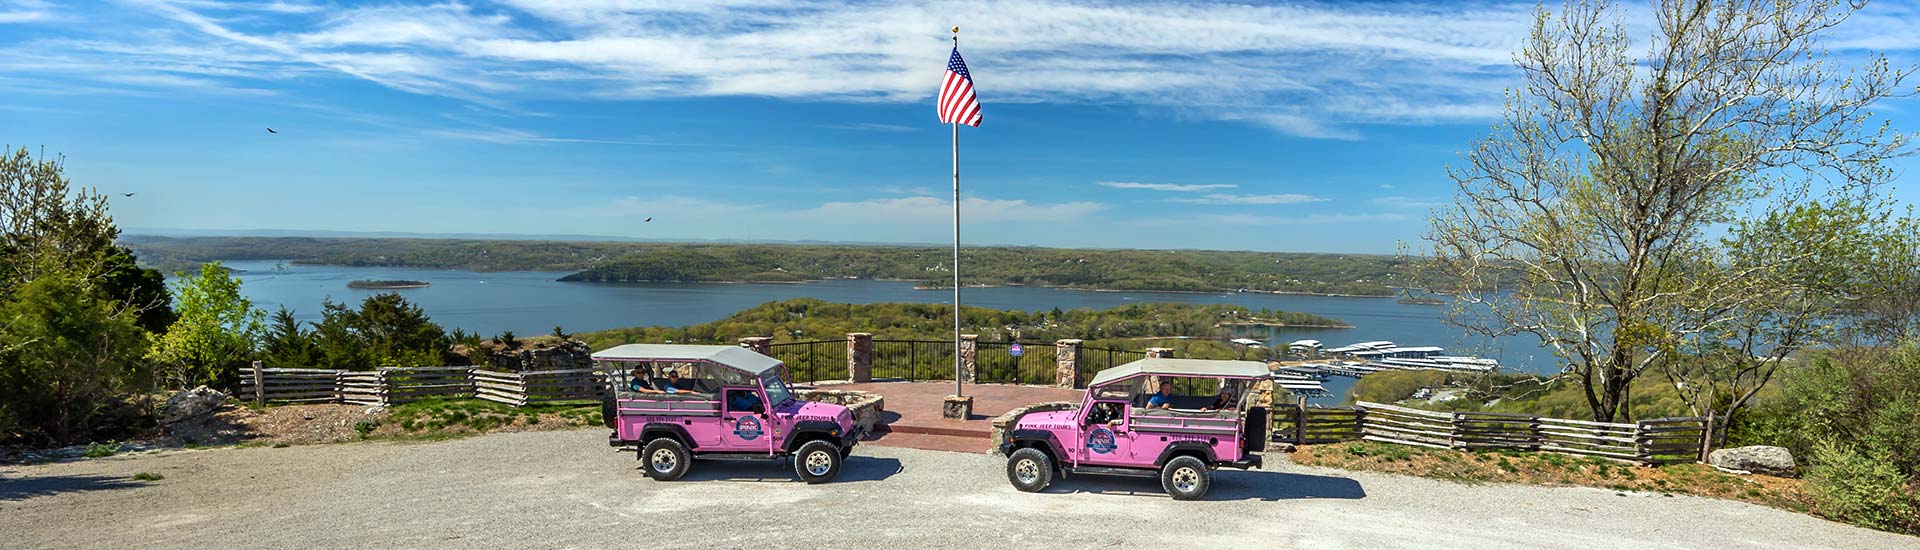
{"x": 957, "y": 103}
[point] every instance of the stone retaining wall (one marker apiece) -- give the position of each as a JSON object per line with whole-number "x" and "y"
{"x": 866, "y": 406}
{"x": 1005, "y": 422}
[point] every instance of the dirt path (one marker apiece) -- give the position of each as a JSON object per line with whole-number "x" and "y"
{"x": 568, "y": 489}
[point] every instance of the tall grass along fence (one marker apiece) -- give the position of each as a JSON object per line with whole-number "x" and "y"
{"x": 393, "y": 386}
{"x": 1656, "y": 441}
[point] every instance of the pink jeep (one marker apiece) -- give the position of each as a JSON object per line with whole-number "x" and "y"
{"x": 677, "y": 402}
{"x": 1197, "y": 416}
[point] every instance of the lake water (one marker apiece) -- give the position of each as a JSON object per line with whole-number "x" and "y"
{"x": 533, "y": 302}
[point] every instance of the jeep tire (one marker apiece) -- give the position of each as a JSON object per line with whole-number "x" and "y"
{"x": 1030, "y": 470}
{"x": 817, "y": 461}
{"x": 665, "y": 459}
{"x": 1186, "y": 478}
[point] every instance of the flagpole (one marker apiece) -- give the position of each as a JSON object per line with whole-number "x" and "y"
{"x": 958, "y": 386}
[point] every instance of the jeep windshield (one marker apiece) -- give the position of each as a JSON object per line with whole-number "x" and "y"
{"x": 777, "y": 391}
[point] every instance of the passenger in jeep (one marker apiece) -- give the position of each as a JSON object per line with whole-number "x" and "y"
{"x": 637, "y": 382}
{"x": 674, "y": 384}
{"x": 1223, "y": 402}
{"x": 1161, "y": 399}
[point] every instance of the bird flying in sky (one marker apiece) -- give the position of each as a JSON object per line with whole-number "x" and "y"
{"x": 126, "y": 194}
{"x": 649, "y": 220}
{"x": 270, "y": 131}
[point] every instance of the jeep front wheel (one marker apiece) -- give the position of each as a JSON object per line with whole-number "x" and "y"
{"x": 1186, "y": 478}
{"x": 1030, "y": 470}
{"x": 665, "y": 459}
{"x": 817, "y": 462}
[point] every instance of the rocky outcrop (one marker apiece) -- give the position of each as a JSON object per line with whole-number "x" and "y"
{"x": 1006, "y": 421}
{"x": 527, "y": 356}
{"x": 866, "y": 406}
{"x": 189, "y": 404}
{"x": 1759, "y": 459}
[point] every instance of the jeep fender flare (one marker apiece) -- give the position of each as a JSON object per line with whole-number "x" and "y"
{"x": 662, "y": 429}
{"x": 1045, "y": 440}
{"x": 1186, "y": 447}
{"x": 809, "y": 430}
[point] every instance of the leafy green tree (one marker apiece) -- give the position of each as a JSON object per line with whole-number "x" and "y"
{"x": 218, "y": 330}
{"x": 67, "y": 353}
{"x": 387, "y": 331}
{"x": 288, "y": 344}
{"x": 1589, "y": 218}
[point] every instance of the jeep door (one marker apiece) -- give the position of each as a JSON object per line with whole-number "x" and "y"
{"x": 744, "y": 429}
{"x": 1106, "y": 442}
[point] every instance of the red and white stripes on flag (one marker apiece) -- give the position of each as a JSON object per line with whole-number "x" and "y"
{"x": 957, "y": 103}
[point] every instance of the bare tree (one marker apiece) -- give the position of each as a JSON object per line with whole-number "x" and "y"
{"x": 1588, "y": 218}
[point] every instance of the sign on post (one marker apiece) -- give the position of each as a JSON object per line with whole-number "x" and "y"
{"x": 1015, "y": 350}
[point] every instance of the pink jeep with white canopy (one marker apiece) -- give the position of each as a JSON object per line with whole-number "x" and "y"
{"x": 674, "y": 403}
{"x": 1196, "y": 416}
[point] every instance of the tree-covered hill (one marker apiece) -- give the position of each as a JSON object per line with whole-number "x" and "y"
{"x": 811, "y": 319}
{"x": 1180, "y": 270}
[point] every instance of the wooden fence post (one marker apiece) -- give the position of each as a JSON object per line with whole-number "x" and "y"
{"x": 1300, "y": 423}
{"x": 259, "y": 385}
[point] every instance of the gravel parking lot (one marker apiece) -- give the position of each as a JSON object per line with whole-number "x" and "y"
{"x": 569, "y": 490}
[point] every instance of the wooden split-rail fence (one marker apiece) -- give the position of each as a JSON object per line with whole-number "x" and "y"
{"x": 393, "y": 386}
{"x": 1656, "y": 441}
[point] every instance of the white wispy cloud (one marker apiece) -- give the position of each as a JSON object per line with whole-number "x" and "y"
{"x": 919, "y": 209}
{"x": 882, "y": 216}
{"x": 1175, "y": 187}
{"x": 1406, "y": 203}
{"x": 1309, "y": 219}
{"x": 1223, "y": 198}
{"x": 1304, "y": 69}
{"x": 1319, "y": 70}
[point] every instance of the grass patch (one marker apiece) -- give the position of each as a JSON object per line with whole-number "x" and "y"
{"x": 102, "y": 449}
{"x": 1554, "y": 469}
{"x": 474, "y": 416}
{"x": 148, "y": 476}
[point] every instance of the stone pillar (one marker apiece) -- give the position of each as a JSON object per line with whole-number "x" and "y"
{"x": 969, "y": 354}
{"x": 761, "y": 344}
{"x": 1066, "y": 373}
{"x": 959, "y": 407}
{"x": 860, "y": 357}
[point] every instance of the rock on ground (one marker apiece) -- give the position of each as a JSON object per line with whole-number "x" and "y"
{"x": 193, "y": 403}
{"x": 1763, "y": 459}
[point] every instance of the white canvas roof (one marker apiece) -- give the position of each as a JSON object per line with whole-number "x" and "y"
{"x": 1182, "y": 367}
{"x": 734, "y": 357}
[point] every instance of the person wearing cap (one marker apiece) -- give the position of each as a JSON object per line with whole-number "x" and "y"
{"x": 637, "y": 381}
{"x": 673, "y": 384}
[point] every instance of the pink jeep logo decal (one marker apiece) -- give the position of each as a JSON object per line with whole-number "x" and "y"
{"x": 1100, "y": 441}
{"x": 747, "y": 428}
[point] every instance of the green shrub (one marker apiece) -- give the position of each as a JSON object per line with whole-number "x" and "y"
{"x": 148, "y": 476}
{"x": 365, "y": 427}
{"x": 103, "y": 450}
{"x": 1862, "y": 489}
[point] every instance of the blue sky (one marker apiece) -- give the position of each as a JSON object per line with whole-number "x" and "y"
{"x": 1293, "y": 127}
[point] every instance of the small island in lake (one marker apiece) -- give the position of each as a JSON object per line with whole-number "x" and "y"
{"x": 387, "y": 284}
{"x": 1422, "y": 301}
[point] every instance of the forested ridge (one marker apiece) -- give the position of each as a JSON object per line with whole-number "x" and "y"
{"x": 1163, "y": 270}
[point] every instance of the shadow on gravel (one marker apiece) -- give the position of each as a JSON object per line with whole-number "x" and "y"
{"x": 14, "y": 488}
{"x": 1227, "y": 485}
{"x": 856, "y": 468}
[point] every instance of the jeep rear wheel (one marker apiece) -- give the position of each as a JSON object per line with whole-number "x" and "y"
{"x": 1030, "y": 470}
{"x": 1186, "y": 478}
{"x": 665, "y": 459}
{"x": 817, "y": 462}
